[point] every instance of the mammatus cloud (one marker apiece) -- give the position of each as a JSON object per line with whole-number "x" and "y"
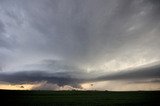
{"x": 72, "y": 42}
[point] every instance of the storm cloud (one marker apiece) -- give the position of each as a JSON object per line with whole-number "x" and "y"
{"x": 148, "y": 74}
{"x": 68, "y": 42}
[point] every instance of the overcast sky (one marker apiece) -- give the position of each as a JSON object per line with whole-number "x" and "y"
{"x": 70, "y": 44}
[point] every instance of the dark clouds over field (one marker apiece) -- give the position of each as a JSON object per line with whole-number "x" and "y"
{"x": 68, "y": 42}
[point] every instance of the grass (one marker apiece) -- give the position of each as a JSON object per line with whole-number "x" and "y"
{"x": 79, "y": 98}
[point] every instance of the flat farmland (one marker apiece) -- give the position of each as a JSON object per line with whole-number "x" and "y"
{"x": 79, "y": 98}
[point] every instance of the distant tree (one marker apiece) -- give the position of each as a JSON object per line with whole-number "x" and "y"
{"x": 91, "y": 84}
{"x": 21, "y": 86}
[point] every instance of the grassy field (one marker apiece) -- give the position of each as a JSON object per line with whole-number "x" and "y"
{"x": 79, "y": 98}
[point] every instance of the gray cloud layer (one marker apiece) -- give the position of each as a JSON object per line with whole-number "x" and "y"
{"x": 83, "y": 31}
{"x": 140, "y": 73}
{"x": 78, "y": 40}
{"x": 68, "y": 78}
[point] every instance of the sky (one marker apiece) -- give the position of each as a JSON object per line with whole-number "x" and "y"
{"x": 80, "y": 44}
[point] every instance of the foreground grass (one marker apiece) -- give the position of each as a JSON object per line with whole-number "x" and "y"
{"x": 79, "y": 98}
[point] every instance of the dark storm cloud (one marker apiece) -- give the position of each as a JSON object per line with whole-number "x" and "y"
{"x": 86, "y": 31}
{"x": 68, "y": 78}
{"x": 74, "y": 36}
{"x": 134, "y": 74}
{"x": 52, "y": 71}
{"x": 60, "y": 79}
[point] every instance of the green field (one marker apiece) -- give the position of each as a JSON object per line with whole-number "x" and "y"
{"x": 79, "y": 98}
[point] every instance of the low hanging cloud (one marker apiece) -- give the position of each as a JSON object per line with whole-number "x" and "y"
{"x": 50, "y": 86}
{"x": 134, "y": 74}
{"x": 59, "y": 80}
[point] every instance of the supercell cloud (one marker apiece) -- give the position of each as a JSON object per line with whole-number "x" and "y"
{"x": 66, "y": 44}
